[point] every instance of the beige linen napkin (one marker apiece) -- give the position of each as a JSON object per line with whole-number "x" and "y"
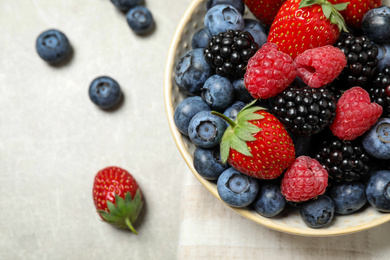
{"x": 210, "y": 230}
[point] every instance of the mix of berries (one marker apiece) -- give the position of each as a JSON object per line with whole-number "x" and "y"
{"x": 304, "y": 121}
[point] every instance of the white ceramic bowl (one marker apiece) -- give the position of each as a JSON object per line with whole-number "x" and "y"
{"x": 290, "y": 221}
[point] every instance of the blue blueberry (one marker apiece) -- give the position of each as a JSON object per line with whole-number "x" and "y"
{"x": 257, "y": 30}
{"x": 208, "y": 163}
{"x": 53, "y": 46}
{"x": 317, "y": 213}
{"x": 105, "y": 92}
{"x": 270, "y": 201}
{"x": 206, "y": 129}
{"x": 240, "y": 91}
{"x": 348, "y": 197}
{"x": 383, "y": 56}
{"x": 218, "y": 92}
{"x": 232, "y": 111}
{"x": 237, "y": 189}
{"x": 221, "y": 18}
{"x": 125, "y": 5}
{"x": 185, "y": 110}
{"x": 375, "y": 24}
{"x": 192, "y": 71}
{"x": 376, "y": 141}
{"x": 201, "y": 38}
{"x": 378, "y": 190}
{"x": 238, "y": 4}
{"x": 140, "y": 19}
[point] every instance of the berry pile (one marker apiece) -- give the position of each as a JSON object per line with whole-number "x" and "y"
{"x": 307, "y": 113}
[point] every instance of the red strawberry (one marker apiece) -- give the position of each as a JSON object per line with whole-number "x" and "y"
{"x": 355, "y": 114}
{"x": 256, "y": 143}
{"x": 306, "y": 24}
{"x": 264, "y": 10}
{"x": 356, "y": 9}
{"x": 117, "y": 197}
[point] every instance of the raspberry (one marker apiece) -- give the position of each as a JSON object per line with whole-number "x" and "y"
{"x": 269, "y": 72}
{"x": 320, "y": 66}
{"x": 355, "y": 114}
{"x": 304, "y": 180}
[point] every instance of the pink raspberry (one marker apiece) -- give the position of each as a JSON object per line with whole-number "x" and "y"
{"x": 304, "y": 180}
{"x": 355, "y": 114}
{"x": 269, "y": 72}
{"x": 320, "y": 66}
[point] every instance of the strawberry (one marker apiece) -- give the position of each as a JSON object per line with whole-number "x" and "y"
{"x": 356, "y": 9}
{"x": 117, "y": 197}
{"x": 264, "y": 10}
{"x": 256, "y": 143}
{"x": 305, "y": 24}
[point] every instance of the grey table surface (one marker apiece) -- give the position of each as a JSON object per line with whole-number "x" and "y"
{"x": 54, "y": 139}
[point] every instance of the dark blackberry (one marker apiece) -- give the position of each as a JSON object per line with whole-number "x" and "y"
{"x": 362, "y": 59}
{"x": 343, "y": 160}
{"x": 228, "y": 52}
{"x": 380, "y": 91}
{"x": 305, "y": 111}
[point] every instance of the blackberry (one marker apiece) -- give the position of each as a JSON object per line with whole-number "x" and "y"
{"x": 362, "y": 59}
{"x": 305, "y": 111}
{"x": 380, "y": 91}
{"x": 228, "y": 52}
{"x": 343, "y": 160}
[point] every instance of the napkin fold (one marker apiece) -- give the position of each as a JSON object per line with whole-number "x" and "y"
{"x": 210, "y": 230}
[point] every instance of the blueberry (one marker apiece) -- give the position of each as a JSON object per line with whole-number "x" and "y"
{"x": 53, "y": 46}
{"x": 317, "y": 213}
{"x": 238, "y": 4}
{"x": 185, "y": 110}
{"x": 348, "y": 197}
{"x": 237, "y": 189}
{"x": 303, "y": 144}
{"x": 206, "y": 129}
{"x": 192, "y": 71}
{"x": 140, "y": 19}
{"x": 218, "y": 92}
{"x": 375, "y": 24}
{"x": 125, "y": 5}
{"x": 221, "y": 18}
{"x": 201, "y": 38}
{"x": 105, "y": 92}
{"x": 257, "y": 30}
{"x": 270, "y": 201}
{"x": 376, "y": 141}
{"x": 240, "y": 91}
{"x": 208, "y": 163}
{"x": 378, "y": 190}
{"x": 232, "y": 111}
{"x": 383, "y": 56}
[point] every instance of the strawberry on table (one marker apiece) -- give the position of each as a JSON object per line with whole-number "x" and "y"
{"x": 306, "y": 24}
{"x": 256, "y": 143}
{"x": 264, "y": 10}
{"x": 117, "y": 197}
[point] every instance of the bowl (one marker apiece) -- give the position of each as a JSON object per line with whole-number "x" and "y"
{"x": 289, "y": 221}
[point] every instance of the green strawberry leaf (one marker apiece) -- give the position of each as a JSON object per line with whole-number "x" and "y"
{"x": 327, "y": 10}
{"x": 240, "y": 146}
{"x": 306, "y": 3}
{"x": 241, "y": 132}
{"x": 340, "y": 7}
{"x": 225, "y": 144}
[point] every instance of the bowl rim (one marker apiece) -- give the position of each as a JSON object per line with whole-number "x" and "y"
{"x": 177, "y": 136}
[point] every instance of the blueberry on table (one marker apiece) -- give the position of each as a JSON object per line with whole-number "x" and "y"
{"x": 125, "y": 5}
{"x": 218, "y": 92}
{"x": 53, "y": 46}
{"x": 378, "y": 190}
{"x": 317, "y": 213}
{"x": 208, "y": 163}
{"x": 206, "y": 130}
{"x": 105, "y": 92}
{"x": 348, "y": 197}
{"x": 237, "y": 189}
{"x": 375, "y": 24}
{"x": 270, "y": 201}
{"x": 238, "y": 4}
{"x": 185, "y": 110}
{"x": 221, "y": 18}
{"x": 376, "y": 142}
{"x": 140, "y": 19}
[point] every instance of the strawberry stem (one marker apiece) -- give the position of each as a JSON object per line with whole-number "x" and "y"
{"x": 230, "y": 122}
{"x": 128, "y": 223}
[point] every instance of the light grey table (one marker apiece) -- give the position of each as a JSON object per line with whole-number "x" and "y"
{"x": 54, "y": 139}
